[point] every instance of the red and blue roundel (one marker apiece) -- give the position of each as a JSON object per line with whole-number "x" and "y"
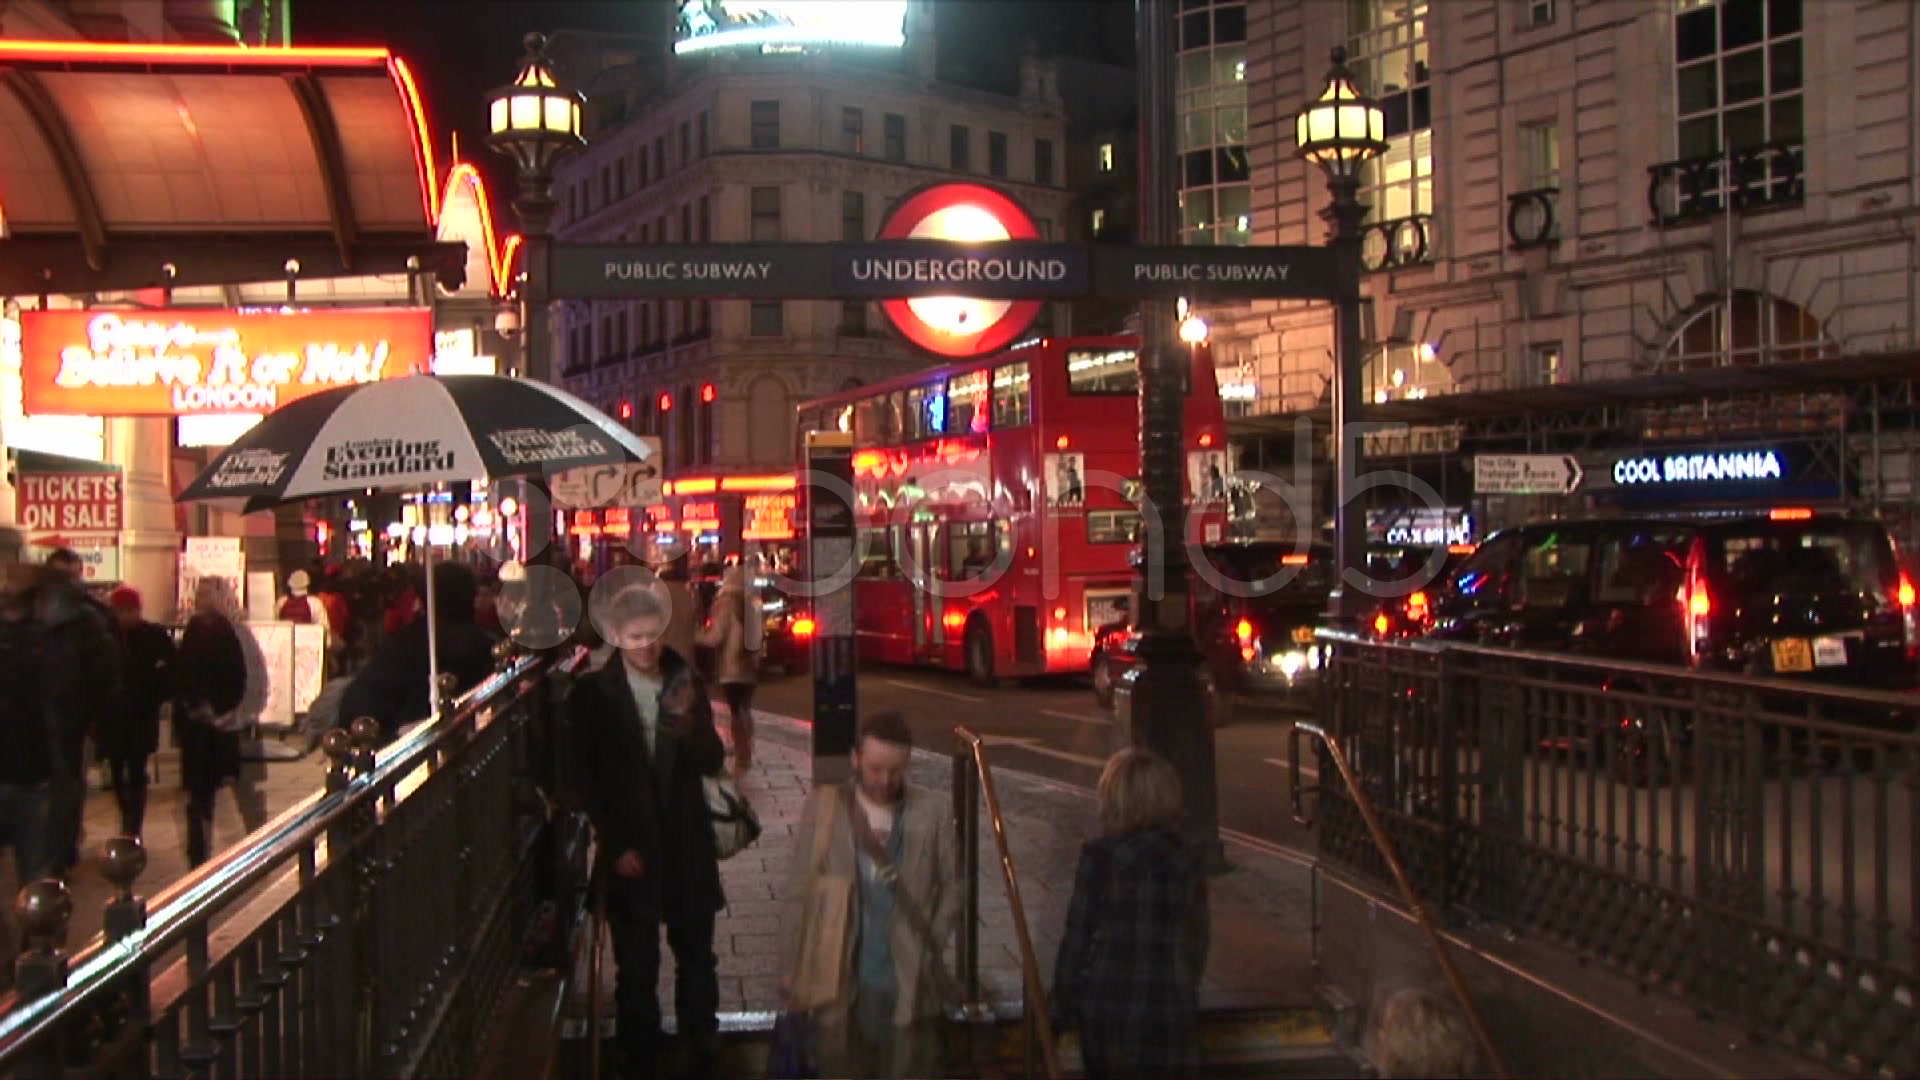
{"x": 952, "y": 325}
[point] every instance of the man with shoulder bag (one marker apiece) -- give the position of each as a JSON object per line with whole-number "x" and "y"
{"x": 645, "y": 748}
{"x": 874, "y": 898}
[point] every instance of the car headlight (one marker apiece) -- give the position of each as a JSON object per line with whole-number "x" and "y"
{"x": 1294, "y": 661}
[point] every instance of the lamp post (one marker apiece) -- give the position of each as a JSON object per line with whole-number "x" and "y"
{"x": 536, "y": 122}
{"x": 1160, "y": 692}
{"x": 1340, "y": 131}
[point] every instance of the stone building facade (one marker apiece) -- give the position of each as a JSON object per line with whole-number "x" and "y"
{"x": 1611, "y": 225}
{"x": 743, "y": 147}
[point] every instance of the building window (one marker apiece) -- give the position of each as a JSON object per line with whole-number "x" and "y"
{"x": 853, "y": 318}
{"x": 1741, "y": 71}
{"x": 1098, "y": 222}
{"x": 1539, "y": 13}
{"x": 765, "y": 125}
{"x": 1540, "y": 156}
{"x": 686, "y": 223}
{"x": 1545, "y": 367}
{"x": 853, "y": 216}
{"x": 1390, "y": 46}
{"x": 620, "y": 178}
{"x": 659, "y": 157}
{"x": 960, "y": 148}
{"x": 704, "y": 221}
{"x": 895, "y": 134}
{"x": 997, "y": 153}
{"x": 767, "y": 319}
{"x": 1211, "y": 111}
{"x": 1763, "y": 330}
{"x": 686, "y": 143}
{"x": 1106, "y": 157}
{"x": 1043, "y": 161}
{"x": 766, "y": 214}
{"x": 700, "y": 134}
{"x": 853, "y": 130}
{"x": 646, "y": 173}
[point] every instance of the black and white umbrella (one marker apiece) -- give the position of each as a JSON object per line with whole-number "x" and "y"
{"x": 409, "y": 434}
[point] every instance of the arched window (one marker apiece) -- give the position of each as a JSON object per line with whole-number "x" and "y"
{"x": 1764, "y": 330}
{"x": 769, "y": 421}
{"x": 683, "y": 427}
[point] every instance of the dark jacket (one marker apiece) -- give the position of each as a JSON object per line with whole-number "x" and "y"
{"x": 392, "y": 688}
{"x": 1135, "y": 946}
{"x": 29, "y": 751}
{"x": 134, "y": 731}
{"x": 81, "y": 651}
{"x": 210, "y": 668}
{"x": 655, "y": 807}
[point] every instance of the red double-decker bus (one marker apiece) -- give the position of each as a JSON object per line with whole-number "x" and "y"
{"x": 996, "y": 503}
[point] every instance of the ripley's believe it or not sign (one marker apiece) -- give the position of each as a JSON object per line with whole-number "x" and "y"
{"x": 208, "y": 361}
{"x": 960, "y": 269}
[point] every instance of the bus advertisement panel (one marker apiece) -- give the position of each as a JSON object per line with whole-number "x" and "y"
{"x": 998, "y": 502}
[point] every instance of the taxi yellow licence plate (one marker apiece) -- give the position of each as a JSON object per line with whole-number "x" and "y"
{"x": 1303, "y": 635}
{"x": 1792, "y": 655}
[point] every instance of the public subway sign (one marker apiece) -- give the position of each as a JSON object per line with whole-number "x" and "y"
{"x": 209, "y": 361}
{"x": 1731, "y": 466}
{"x": 69, "y": 501}
{"x": 1007, "y": 270}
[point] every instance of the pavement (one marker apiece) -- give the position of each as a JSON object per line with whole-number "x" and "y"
{"x": 285, "y": 783}
{"x": 1261, "y": 910}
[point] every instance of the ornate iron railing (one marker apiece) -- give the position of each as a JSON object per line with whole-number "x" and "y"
{"x": 1768, "y": 176}
{"x": 364, "y": 933}
{"x": 1749, "y": 844}
{"x": 1533, "y": 218}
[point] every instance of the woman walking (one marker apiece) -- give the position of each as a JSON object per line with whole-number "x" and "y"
{"x": 730, "y": 634}
{"x": 210, "y": 682}
{"x": 1128, "y": 972}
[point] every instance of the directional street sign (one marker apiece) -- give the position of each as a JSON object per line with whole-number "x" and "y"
{"x": 590, "y": 487}
{"x": 1526, "y": 474}
{"x": 885, "y": 269}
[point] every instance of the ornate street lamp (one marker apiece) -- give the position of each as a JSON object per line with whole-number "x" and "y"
{"x": 1340, "y": 131}
{"x": 535, "y": 121}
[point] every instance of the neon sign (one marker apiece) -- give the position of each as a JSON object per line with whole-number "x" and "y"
{"x": 1709, "y": 468}
{"x": 770, "y": 517}
{"x": 700, "y": 516}
{"x": 189, "y": 362}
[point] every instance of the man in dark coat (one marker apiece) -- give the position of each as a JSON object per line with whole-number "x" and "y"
{"x": 129, "y": 737}
{"x": 392, "y": 688}
{"x": 83, "y": 684}
{"x": 210, "y": 682}
{"x": 644, "y": 736}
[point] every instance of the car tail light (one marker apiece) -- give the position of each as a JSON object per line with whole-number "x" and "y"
{"x": 1244, "y": 632}
{"x": 1792, "y": 513}
{"x": 1905, "y": 593}
{"x": 1699, "y": 604}
{"x": 1909, "y": 619}
{"x": 1381, "y": 624}
{"x": 803, "y": 628}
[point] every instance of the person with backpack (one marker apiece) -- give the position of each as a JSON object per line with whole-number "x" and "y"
{"x": 130, "y": 736}
{"x": 210, "y": 682}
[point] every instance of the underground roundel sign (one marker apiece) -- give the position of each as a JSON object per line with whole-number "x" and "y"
{"x": 953, "y": 325}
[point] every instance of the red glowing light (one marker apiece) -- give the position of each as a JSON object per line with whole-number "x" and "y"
{"x": 803, "y": 627}
{"x": 1206, "y": 440}
{"x": 708, "y": 393}
{"x": 187, "y": 54}
{"x": 500, "y": 256}
{"x": 1061, "y": 443}
{"x": 626, "y": 410}
{"x": 1906, "y": 592}
{"x": 991, "y": 336}
{"x": 422, "y": 142}
{"x": 666, "y": 402}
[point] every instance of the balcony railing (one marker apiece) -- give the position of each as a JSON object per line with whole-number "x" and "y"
{"x": 1765, "y": 177}
{"x": 1397, "y": 244}
{"x": 1533, "y": 218}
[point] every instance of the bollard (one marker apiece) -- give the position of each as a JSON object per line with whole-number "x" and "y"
{"x": 122, "y": 860}
{"x": 338, "y": 746}
{"x": 43, "y": 910}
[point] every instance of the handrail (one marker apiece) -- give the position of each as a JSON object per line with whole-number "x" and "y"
{"x": 1036, "y": 993}
{"x": 224, "y": 882}
{"x": 1387, "y": 851}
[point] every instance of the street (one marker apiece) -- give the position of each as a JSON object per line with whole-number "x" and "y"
{"x": 1052, "y": 728}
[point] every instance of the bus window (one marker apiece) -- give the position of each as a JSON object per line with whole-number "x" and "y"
{"x": 926, "y": 411}
{"x": 1113, "y": 526}
{"x": 967, "y": 403}
{"x": 866, "y": 417}
{"x": 1102, "y": 371}
{"x": 876, "y": 554}
{"x": 916, "y": 415}
{"x": 1012, "y": 396}
{"x": 893, "y": 417}
{"x": 969, "y": 549}
{"x": 843, "y": 419}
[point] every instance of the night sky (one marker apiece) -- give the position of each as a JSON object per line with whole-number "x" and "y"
{"x": 461, "y": 49}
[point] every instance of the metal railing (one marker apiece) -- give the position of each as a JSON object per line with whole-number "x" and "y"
{"x": 973, "y": 791}
{"x": 1749, "y": 844}
{"x": 366, "y": 932}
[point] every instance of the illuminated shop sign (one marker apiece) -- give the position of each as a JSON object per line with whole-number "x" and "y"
{"x": 788, "y": 25}
{"x": 1732, "y": 466}
{"x": 770, "y": 516}
{"x": 1424, "y": 527}
{"x": 190, "y": 361}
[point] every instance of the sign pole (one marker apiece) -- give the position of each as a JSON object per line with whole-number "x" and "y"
{"x": 831, "y": 560}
